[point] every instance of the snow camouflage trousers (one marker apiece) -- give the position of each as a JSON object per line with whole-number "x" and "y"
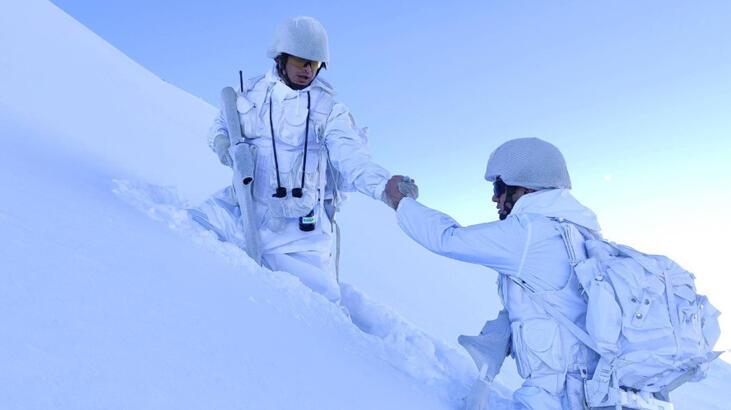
{"x": 533, "y": 397}
{"x": 307, "y": 255}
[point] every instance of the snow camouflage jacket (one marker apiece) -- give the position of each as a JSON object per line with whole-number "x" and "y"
{"x": 525, "y": 245}
{"x": 337, "y": 155}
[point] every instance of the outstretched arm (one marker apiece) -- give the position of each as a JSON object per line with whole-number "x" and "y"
{"x": 498, "y": 245}
{"x": 349, "y": 155}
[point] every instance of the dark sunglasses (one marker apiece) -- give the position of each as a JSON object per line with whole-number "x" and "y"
{"x": 499, "y": 187}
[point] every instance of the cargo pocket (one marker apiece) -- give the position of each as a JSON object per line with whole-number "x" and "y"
{"x": 709, "y": 322}
{"x": 689, "y": 329}
{"x": 291, "y": 206}
{"x": 642, "y": 297}
{"x": 247, "y": 117}
{"x": 603, "y": 315}
{"x": 537, "y": 347}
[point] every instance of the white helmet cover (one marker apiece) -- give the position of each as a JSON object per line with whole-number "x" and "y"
{"x": 528, "y": 162}
{"x": 303, "y": 37}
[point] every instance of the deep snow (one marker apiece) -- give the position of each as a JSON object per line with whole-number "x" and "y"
{"x": 104, "y": 306}
{"x": 111, "y": 298}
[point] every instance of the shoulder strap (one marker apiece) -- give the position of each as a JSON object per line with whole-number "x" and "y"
{"x": 571, "y": 326}
{"x": 574, "y": 242}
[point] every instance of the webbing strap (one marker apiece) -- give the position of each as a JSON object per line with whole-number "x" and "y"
{"x": 565, "y": 230}
{"x": 682, "y": 379}
{"x": 337, "y": 250}
{"x": 568, "y": 242}
{"x": 672, "y": 309}
{"x": 561, "y": 318}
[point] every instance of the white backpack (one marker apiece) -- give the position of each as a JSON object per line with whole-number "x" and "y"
{"x": 653, "y": 332}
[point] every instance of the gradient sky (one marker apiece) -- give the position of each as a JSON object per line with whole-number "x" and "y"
{"x": 637, "y": 94}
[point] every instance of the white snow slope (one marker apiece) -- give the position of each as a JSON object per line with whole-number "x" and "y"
{"x": 109, "y": 296}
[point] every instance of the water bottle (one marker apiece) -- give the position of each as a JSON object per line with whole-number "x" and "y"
{"x": 307, "y": 222}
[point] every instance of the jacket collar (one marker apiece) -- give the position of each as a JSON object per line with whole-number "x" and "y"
{"x": 557, "y": 203}
{"x": 280, "y": 90}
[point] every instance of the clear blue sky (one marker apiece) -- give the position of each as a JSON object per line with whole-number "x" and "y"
{"x": 636, "y": 93}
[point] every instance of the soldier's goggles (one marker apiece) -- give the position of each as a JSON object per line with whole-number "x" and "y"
{"x": 303, "y": 63}
{"x": 499, "y": 187}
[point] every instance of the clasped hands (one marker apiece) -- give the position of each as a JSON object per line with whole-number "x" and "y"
{"x": 398, "y": 188}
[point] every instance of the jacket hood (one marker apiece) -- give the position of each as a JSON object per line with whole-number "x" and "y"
{"x": 557, "y": 203}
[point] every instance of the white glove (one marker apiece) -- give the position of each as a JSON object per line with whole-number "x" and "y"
{"x": 221, "y": 145}
{"x": 407, "y": 186}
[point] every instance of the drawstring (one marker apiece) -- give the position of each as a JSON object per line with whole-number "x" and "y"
{"x": 281, "y": 191}
{"x": 304, "y": 159}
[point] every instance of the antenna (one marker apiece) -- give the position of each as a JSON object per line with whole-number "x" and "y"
{"x": 241, "y": 80}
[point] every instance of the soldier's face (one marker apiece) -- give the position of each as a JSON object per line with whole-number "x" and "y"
{"x": 505, "y": 205}
{"x": 499, "y": 196}
{"x": 300, "y": 74}
{"x": 502, "y": 209}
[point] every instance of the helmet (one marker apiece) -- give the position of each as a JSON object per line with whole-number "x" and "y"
{"x": 528, "y": 162}
{"x": 303, "y": 37}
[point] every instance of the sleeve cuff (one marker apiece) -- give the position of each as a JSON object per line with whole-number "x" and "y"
{"x": 404, "y": 204}
{"x": 380, "y": 188}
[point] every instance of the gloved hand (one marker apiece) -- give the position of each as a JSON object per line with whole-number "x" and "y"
{"x": 221, "y": 144}
{"x": 407, "y": 186}
{"x": 397, "y": 188}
